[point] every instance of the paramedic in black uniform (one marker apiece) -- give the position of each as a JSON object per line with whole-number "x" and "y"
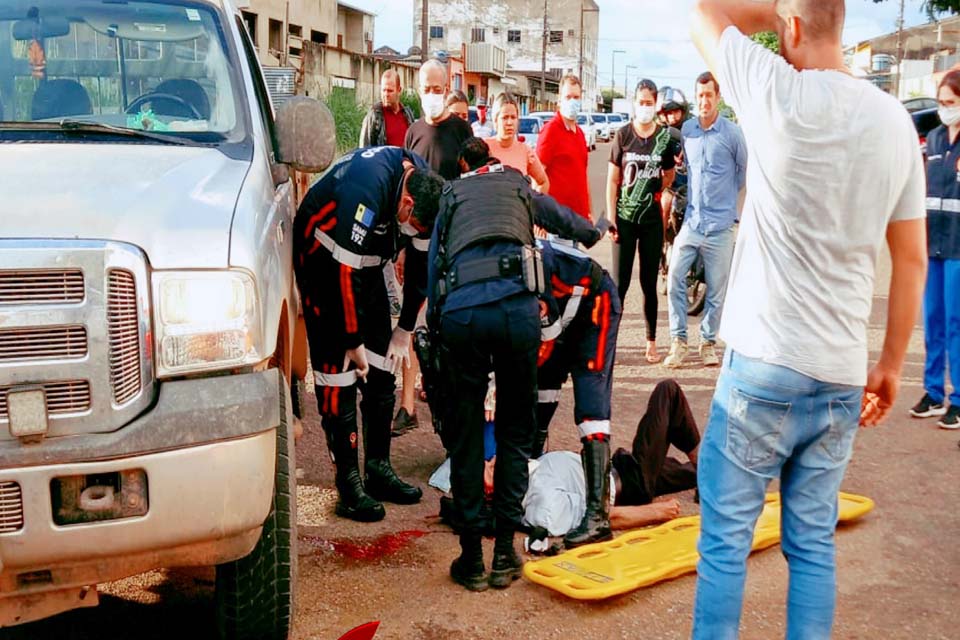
{"x": 370, "y": 205}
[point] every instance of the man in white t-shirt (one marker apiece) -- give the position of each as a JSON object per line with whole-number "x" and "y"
{"x": 834, "y": 169}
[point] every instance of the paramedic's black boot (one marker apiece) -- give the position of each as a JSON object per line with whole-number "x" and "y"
{"x": 353, "y": 502}
{"x": 380, "y": 479}
{"x": 383, "y": 484}
{"x": 545, "y": 411}
{"x": 507, "y": 565}
{"x": 468, "y": 570}
{"x": 595, "y": 526}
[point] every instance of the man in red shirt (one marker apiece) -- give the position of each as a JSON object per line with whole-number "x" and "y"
{"x": 387, "y": 121}
{"x": 562, "y": 149}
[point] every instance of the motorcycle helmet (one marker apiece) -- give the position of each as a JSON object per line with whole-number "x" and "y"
{"x": 673, "y": 100}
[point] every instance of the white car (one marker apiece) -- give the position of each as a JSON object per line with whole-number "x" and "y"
{"x": 589, "y": 131}
{"x": 529, "y": 129}
{"x": 598, "y": 121}
{"x": 616, "y": 122}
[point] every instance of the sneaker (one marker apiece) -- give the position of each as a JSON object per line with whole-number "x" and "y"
{"x": 927, "y": 408}
{"x": 678, "y": 351}
{"x": 951, "y": 420}
{"x": 404, "y": 423}
{"x": 708, "y": 353}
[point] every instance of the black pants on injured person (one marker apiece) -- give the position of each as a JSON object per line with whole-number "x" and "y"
{"x": 646, "y": 472}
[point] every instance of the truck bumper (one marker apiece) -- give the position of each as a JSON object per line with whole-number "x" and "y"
{"x": 207, "y": 496}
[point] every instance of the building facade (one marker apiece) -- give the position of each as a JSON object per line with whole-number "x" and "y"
{"x": 928, "y": 51}
{"x": 517, "y": 28}
{"x": 279, "y": 28}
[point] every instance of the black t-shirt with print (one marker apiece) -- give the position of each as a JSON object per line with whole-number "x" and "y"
{"x": 439, "y": 144}
{"x": 642, "y": 162}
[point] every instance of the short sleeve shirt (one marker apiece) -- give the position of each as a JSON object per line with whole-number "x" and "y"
{"x": 832, "y": 161}
{"x": 642, "y": 162}
{"x": 439, "y": 144}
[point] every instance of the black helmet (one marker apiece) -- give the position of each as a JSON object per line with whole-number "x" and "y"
{"x": 672, "y": 99}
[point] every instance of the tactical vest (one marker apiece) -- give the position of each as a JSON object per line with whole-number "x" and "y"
{"x": 486, "y": 207}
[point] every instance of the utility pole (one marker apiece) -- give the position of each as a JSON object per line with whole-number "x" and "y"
{"x": 424, "y": 30}
{"x": 543, "y": 62}
{"x": 899, "y": 49}
{"x": 580, "y": 71}
{"x": 626, "y": 71}
{"x": 613, "y": 78}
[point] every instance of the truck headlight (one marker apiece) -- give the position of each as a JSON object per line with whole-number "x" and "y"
{"x": 205, "y": 320}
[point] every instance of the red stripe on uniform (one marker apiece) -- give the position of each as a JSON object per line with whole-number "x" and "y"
{"x": 603, "y": 311}
{"x": 327, "y": 208}
{"x": 349, "y": 304}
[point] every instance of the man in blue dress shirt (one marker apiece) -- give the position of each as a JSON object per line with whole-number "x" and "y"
{"x": 716, "y": 157}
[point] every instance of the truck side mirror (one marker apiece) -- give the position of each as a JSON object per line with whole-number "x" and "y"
{"x": 306, "y": 134}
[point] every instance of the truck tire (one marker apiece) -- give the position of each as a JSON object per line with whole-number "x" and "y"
{"x": 255, "y": 594}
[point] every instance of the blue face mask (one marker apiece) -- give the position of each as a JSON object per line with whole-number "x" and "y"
{"x": 570, "y": 109}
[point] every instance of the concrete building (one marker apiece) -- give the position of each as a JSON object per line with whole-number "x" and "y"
{"x": 517, "y": 27}
{"x": 280, "y": 27}
{"x": 928, "y": 51}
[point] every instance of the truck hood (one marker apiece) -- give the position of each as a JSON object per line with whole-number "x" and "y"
{"x": 175, "y": 203}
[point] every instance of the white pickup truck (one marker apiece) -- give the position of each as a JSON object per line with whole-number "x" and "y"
{"x": 149, "y": 333}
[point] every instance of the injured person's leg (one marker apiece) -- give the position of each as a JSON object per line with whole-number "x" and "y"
{"x": 647, "y": 472}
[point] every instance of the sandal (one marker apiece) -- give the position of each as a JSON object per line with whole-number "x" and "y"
{"x": 653, "y": 356}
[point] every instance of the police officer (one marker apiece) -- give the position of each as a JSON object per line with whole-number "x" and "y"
{"x": 367, "y": 207}
{"x": 583, "y": 302}
{"x": 483, "y": 284}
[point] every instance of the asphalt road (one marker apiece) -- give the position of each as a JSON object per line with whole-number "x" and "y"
{"x": 899, "y": 568}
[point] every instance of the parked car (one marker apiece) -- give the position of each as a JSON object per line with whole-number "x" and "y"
{"x": 600, "y": 126}
{"x": 545, "y": 116}
{"x": 151, "y": 335}
{"x": 925, "y": 120}
{"x": 920, "y": 104}
{"x": 616, "y": 121}
{"x": 529, "y": 130}
{"x": 589, "y": 131}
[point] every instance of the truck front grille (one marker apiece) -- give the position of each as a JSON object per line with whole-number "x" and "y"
{"x": 63, "y": 396}
{"x": 11, "y": 507}
{"x": 124, "y": 329}
{"x": 40, "y": 286}
{"x": 43, "y": 343}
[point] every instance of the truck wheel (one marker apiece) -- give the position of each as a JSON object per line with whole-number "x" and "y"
{"x": 255, "y": 594}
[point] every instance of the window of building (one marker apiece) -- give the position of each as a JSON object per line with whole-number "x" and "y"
{"x": 556, "y": 37}
{"x": 436, "y": 33}
{"x": 513, "y": 35}
{"x": 478, "y": 35}
{"x": 296, "y": 30}
{"x": 276, "y": 35}
{"x": 250, "y": 20}
{"x": 318, "y": 36}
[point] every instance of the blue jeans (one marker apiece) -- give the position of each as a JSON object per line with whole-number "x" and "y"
{"x": 941, "y": 329}
{"x": 717, "y": 252}
{"x": 766, "y": 422}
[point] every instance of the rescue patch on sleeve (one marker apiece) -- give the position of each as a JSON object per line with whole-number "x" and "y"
{"x": 365, "y": 215}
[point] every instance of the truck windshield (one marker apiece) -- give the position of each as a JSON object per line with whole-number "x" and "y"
{"x": 150, "y": 66}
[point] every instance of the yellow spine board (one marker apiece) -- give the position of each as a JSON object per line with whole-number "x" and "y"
{"x": 647, "y": 556}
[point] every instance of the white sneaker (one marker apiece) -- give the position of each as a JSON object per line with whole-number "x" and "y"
{"x": 678, "y": 351}
{"x": 708, "y": 353}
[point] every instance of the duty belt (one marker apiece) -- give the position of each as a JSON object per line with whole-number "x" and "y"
{"x": 480, "y": 269}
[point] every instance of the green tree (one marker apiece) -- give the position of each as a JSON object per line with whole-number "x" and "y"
{"x": 608, "y": 96}
{"x": 937, "y": 6}
{"x": 768, "y": 39}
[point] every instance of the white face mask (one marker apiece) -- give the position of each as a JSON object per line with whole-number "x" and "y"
{"x": 407, "y": 229}
{"x": 949, "y": 115}
{"x": 432, "y": 104}
{"x": 645, "y": 115}
{"x": 570, "y": 109}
